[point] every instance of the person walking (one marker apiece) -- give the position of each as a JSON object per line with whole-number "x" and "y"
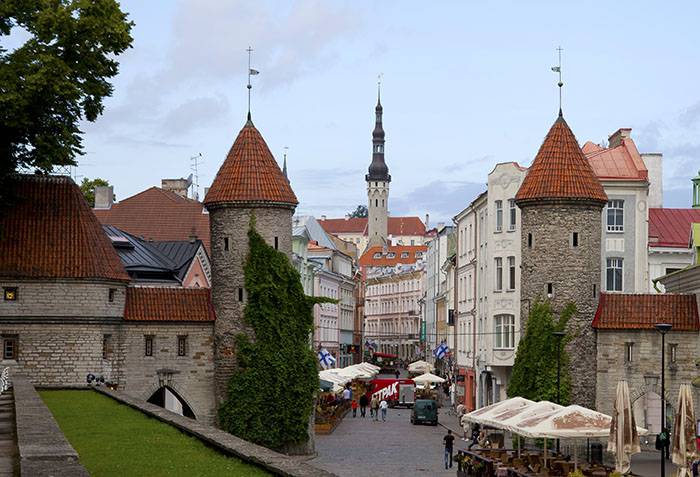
{"x": 374, "y": 408}
{"x": 383, "y": 406}
{"x": 475, "y": 435}
{"x": 449, "y": 440}
{"x": 347, "y": 393}
{"x": 364, "y": 402}
{"x": 397, "y": 373}
{"x": 354, "y": 407}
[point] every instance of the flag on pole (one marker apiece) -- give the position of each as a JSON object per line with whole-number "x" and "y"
{"x": 325, "y": 358}
{"x": 254, "y": 72}
{"x": 556, "y": 69}
{"x": 441, "y": 350}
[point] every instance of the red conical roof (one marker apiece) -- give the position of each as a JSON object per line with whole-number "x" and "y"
{"x": 250, "y": 174}
{"x": 560, "y": 171}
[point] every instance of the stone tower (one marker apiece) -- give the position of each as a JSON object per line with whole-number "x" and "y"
{"x": 378, "y": 180}
{"x": 561, "y": 200}
{"x": 248, "y": 183}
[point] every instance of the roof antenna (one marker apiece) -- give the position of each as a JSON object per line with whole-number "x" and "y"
{"x": 195, "y": 161}
{"x": 251, "y": 72}
{"x": 557, "y": 69}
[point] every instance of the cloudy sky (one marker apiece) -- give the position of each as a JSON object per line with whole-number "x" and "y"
{"x": 465, "y": 85}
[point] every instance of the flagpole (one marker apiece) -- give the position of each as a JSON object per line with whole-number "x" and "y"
{"x": 249, "y": 50}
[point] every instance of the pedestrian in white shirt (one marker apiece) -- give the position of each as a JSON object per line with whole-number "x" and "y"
{"x": 347, "y": 393}
{"x": 383, "y": 406}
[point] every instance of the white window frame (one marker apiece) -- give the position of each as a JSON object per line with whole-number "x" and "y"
{"x": 504, "y": 328}
{"x": 612, "y": 264}
{"x": 615, "y": 213}
{"x": 499, "y": 215}
{"x": 512, "y": 214}
{"x": 499, "y": 274}
{"x": 511, "y": 273}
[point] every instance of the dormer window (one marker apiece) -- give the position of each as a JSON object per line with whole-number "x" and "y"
{"x": 404, "y": 254}
{"x": 378, "y": 255}
{"x": 391, "y": 255}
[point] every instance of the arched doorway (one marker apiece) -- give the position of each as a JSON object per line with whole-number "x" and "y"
{"x": 168, "y": 398}
{"x": 647, "y": 404}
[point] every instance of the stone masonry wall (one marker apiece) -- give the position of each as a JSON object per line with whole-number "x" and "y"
{"x": 228, "y": 278}
{"x": 64, "y": 298}
{"x": 573, "y": 272}
{"x": 646, "y": 361}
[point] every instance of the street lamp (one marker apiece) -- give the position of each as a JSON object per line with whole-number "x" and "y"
{"x": 558, "y": 335}
{"x": 663, "y": 328}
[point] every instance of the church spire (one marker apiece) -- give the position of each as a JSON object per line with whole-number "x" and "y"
{"x": 284, "y": 164}
{"x": 378, "y": 170}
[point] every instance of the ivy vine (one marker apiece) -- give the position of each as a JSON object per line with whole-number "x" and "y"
{"x": 270, "y": 396}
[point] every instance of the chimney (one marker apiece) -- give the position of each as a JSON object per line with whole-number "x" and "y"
{"x": 427, "y": 221}
{"x": 179, "y": 186}
{"x": 616, "y": 138}
{"x": 104, "y": 197}
{"x": 206, "y": 191}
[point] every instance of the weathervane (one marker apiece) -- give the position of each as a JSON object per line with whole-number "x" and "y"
{"x": 251, "y": 72}
{"x": 557, "y": 69}
{"x": 379, "y": 86}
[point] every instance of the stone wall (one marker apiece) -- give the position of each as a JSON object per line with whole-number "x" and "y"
{"x": 64, "y": 298}
{"x": 646, "y": 361}
{"x": 232, "y": 223}
{"x": 573, "y": 271}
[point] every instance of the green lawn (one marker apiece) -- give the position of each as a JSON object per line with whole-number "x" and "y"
{"x": 115, "y": 440}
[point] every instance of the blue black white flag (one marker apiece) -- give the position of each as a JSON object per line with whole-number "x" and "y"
{"x": 441, "y": 350}
{"x": 325, "y": 358}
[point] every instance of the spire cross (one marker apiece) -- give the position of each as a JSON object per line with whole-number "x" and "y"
{"x": 249, "y": 50}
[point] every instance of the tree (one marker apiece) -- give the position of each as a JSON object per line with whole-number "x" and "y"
{"x": 57, "y": 78}
{"x": 360, "y": 212}
{"x": 271, "y": 395}
{"x": 535, "y": 369}
{"x": 88, "y": 188}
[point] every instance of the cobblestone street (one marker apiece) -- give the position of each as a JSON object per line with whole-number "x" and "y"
{"x": 361, "y": 447}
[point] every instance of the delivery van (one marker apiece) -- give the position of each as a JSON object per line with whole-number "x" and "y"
{"x": 425, "y": 411}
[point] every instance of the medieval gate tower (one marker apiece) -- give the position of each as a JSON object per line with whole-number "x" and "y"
{"x": 561, "y": 201}
{"x": 249, "y": 183}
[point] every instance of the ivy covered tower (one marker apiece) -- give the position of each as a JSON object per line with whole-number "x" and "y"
{"x": 378, "y": 180}
{"x": 248, "y": 184}
{"x": 561, "y": 200}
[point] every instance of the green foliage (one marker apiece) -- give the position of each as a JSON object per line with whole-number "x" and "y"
{"x": 359, "y": 212}
{"x": 270, "y": 397}
{"x": 87, "y": 187}
{"x": 114, "y": 440}
{"x": 535, "y": 368}
{"x": 57, "y": 78}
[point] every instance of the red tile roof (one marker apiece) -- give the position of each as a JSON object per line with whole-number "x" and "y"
{"x": 157, "y": 214}
{"x": 168, "y": 304}
{"x": 367, "y": 259}
{"x": 560, "y": 171}
{"x": 671, "y": 227}
{"x": 49, "y": 231}
{"x": 397, "y": 226}
{"x": 641, "y": 312}
{"x": 250, "y": 174}
{"x": 618, "y": 163}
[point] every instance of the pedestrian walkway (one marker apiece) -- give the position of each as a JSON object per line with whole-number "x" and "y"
{"x": 8, "y": 435}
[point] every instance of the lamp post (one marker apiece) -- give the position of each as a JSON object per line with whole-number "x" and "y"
{"x": 558, "y": 335}
{"x": 663, "y": 328}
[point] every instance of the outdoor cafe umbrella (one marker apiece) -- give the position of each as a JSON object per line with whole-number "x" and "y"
{"x": 420, "y": 366}
{"x": 683, "y": 445}
{"x": 624, "y": 439}
{"x": 428, "y": 378}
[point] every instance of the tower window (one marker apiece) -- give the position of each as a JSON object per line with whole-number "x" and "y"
{"x": 182, "y": 345}
{"x": 574, "y": 239}
{"x": 225, "y": 243}
{"x": 276, "y": 243}
{"x": 595, "y": 291}
{"x": 550, "y": 289}
{"x": 148, "y": 342}
{"x": 529, "y": 240}
{"x": 240, "y": 294}
{"x": 112, "y": 292}
{"x": 629, "y": 352}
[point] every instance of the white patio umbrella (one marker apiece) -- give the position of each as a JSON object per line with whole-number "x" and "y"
{"x": 420, "y": 366}
{"x": 428, "y": 378}
{"x": 507, "y": 418}
{"x": 483, "y": 414}
{"x": 623, "y": 440}
{"x": 683, "y": 446}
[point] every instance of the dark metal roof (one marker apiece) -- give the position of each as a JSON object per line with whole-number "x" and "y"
{"x": 180, "y": 252}
{"x": 140, "y": 258}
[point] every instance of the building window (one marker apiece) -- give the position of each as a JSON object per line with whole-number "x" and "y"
{"x": 499, "y": 274}
{"x": 613, "y": 274}
{"x": 419, "y": 254}
{"x": 112, "y": 293}
{"x": 10, "y": 293}
{"x": 574, "y": 239}
{"x": 629, "y": 352}
{"x": 529, "y": 240}
{"x": 148, "y": 341}
{"x": 391, "y": 255}
{"x": 182, "y": 345}
{"x": 276, "y": 243}
{"x": 595, "y": 291}
{"x": 511, "y": 273}
{"x": 511, "y": 209}
{"x": 225, "y": 243}
{"x": 9, "y": 347}
{"x": 240, "y": 294}
{"x": 616, "y": 210}
{"x": 499, "y": 215}
{"x": 405, "y": 254}
{"x": 672, "y": 353}
{"x": 505, "y": 331}
{"x": 377, "y": 255}
{"x": 550, "y": 290}
{"x": 106, "y": 346}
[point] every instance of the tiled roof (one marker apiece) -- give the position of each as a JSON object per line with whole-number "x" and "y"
{"x": 157, "y": 214}
{"x": 671, "y": 227}
{"x": 168, "y": 304}
{"x": 250, "y": 174}
{"x": 618, "y": 163}
{"x": 560, "y": 171}
{"x": 49, "y": 231}
{"x": 397, "y": 226}
{"x": 367, "y": 259}
{"x": 641, "y": 312}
